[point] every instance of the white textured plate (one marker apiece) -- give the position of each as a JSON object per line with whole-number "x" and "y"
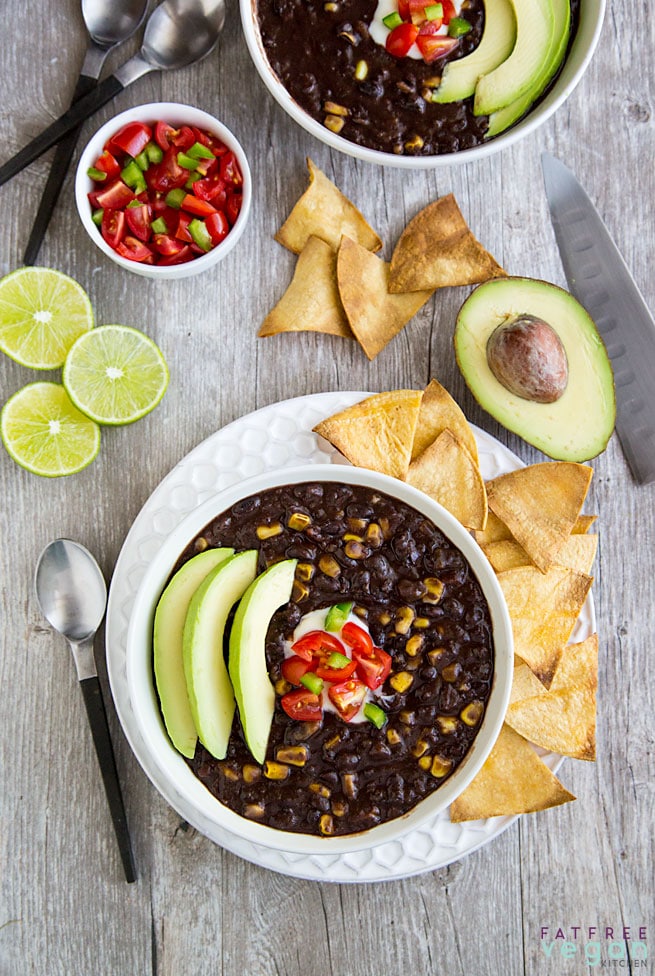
{"x": 280, "y": 436}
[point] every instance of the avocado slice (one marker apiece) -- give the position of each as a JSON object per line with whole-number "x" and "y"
{"x": 498, "y": 38}
{"x": 578, "y": 425}
{"x": 208, "y": 684}
{"x": 167, "y": 647}
{"x": 247, "y": 656}
{"x": 504, "y": 117}
{"x": 535, "y": 26}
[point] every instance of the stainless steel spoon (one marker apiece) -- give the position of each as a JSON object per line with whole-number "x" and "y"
{"x": 72, "y": 594}
{"x": 108, "y": 22}
{"x": 178, "y": 33}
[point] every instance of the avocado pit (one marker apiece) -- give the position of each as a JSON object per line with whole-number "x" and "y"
{"x": 527, "y": 357}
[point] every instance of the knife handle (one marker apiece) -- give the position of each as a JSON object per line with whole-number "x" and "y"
{"x": 56, "y": 176}
{"x": 75, "y": 115}
{"x": 95, "y": 710}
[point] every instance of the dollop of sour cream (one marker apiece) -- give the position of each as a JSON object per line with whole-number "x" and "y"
{"x": 379, "y": 32}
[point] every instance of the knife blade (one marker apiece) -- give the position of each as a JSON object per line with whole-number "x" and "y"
{"x": 599, "y": 278}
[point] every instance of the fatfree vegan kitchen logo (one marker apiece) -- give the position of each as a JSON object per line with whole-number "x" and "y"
{"x": 606, "y": 947}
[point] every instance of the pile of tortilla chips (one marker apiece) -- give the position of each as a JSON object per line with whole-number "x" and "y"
{"x": 342, "y": 288}
{"x": 529, "y": 525}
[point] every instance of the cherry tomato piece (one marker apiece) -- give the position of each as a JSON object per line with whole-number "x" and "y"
{"x": 347, "y": 697}
{"x": 132, "y": 139}
{"x": 400, "y": 39}
{"x": 336, "y": 675}
{"x": 113, "y": 226}
{"x": 302, "y": 705}
{"x": 182, "y": 138}
{"x": 217, "y": 226}
{"x": 135, "y": 250}
{"x": 403, "y": 9}
{"x": 167, "y": 175}
{"x": 108, "y": 164}
{"x": 138, "y": 220}
{"x": 230, "y": 171}
{"x": 293, "y": 669}
{"x": 233, "y": 207}
{"x": 316, "y": 643}
{"x": 212, "y": 142}
{"x": 432, "y": 45}
{"x": 449, "y": 10}
{"x": 200, "y": 208}
{"x": 182, "y": 231}
{"x": 186, "y": 254}
{"x": 166, "y": 245}
{"x": 373, "y": 668}
{"x": 163, "y": 133}
{"x": 357, "y": 638}
{"x": 212, "y": 188}
{"x": 116, "y": 196}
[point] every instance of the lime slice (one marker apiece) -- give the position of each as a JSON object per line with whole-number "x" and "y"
{"x": 45, "y": 433}
{"x": 115, "y": 374}
{"x": 42, "y": 312}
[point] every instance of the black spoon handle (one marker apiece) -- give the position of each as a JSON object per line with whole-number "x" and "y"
{"x": 95, "y": 710}
{"x": 76, "y": 114}
{"x": 56, "y": 176}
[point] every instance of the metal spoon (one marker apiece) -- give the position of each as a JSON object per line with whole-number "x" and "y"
{"x": 178, "y": 33}
{"x": 108, "y": 22}
{"x": 72, "y": 594}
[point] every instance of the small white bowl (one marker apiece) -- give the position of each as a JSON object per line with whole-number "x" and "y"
{"x": 143, "y": 696}
{"x": 582, "y": 49}
{"x": 176, "y": 115}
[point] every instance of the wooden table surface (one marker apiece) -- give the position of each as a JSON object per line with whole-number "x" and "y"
{"x": 196, "y": 908}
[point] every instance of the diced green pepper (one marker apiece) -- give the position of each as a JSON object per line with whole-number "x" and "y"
{"x": 97, "y": 216}
{"x": 310, "y": 680}
{"x": 159, "y": 226}
{"x": 142, "y": 161}
{"x": 434, "y": 11}
{"x": 337, "y": 616}
{"x": 193, "y": 178}
{"x": 133, "y": 204}
{"x": 337, "y": 661}
{"x": 392, "y": 20}
{"x": 133, "y": 177}
{"x": 198, "y": 151}
{"x": 174, "y": 198}
{"x": 375, "y": 714}
{"x": 200, "y": 234}
{"x": 97, "y": 175}
{"x": 458, "y": 27}
{"x": 154, "y": 153}
{"x": 187, "y": 161}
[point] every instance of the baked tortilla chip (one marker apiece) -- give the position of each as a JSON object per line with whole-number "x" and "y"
{"x": 374, "y": 315}
{"x": 438, "y": 412}
{"x": 323, "y": 211}
{"x": 447, "y": 473}
{"x": 437, "y": 249}
{"x": 578, "y": 553}
{"x": 494, "y": 531}
{"x": 540, "y": 504}
{"x": 378, "y": 432}
{"x": 543, "y": 608}
{"x": 525, "y": 684}
{"x": 563, "y": 719}
{"x": 583, "y": 523}
{"x": 311, "y": 303}
{"x": 512, "y": 780}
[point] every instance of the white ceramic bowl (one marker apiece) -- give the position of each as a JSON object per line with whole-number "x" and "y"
{"x": 143, "y": 697}
{"x": 582, "y": 49}
{"x": 176, "y": 115}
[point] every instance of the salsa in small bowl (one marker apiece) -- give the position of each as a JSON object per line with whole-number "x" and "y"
{"x": 164, "y": 190}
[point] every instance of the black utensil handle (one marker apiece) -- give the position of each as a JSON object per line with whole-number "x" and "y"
{"x": 56, "y": 176}
{"x": 95, "y": 710}
{"x": 76, "y": 114}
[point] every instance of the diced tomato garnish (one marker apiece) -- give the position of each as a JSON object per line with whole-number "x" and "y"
{"x": 400, "y": 39}
{"x": 212, "y": 188}
{"x": 317, "y": 643}
{"x": 108, "y": 164}
{"x": 336, "y": 675}
{"x": 135, "y": 250}
{"x": 302, "y": 705}
{"x": 230, "y": 171}
{"x": 432, "y": 45}
{"x": 403, "y": 9}
{"x": 131, "y": 139}
{"x": 448, "y": 10}
{"x": 186, "y": 254}
{"x": 198, "y": 207}
{"x": 217, "y": 226}
{"x": 293, "y": 669}
{"x": 163, "y": 132}
{"x": 166, "y": 245}
{"x": 357, "y": 638}
{"x": 182, "y": 230}
{"x": 233, "y": 206}
{"x": 373, "y": 668}
{"x": 417, "y": 10}
{"x": 116, "y": 196}
{"x": 138, "y": 220}
{"x": 347, "y": 697}
{"x": 182, "y": 138}
{"x": 113, "y": 226}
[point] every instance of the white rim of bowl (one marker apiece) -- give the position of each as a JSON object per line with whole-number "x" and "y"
{"x": 168, "y": 112}
{"x": 173, "y": 766}
{"x": 586, "y": 39}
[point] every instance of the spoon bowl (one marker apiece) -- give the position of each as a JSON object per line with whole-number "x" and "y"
{"x": 109, "y": 23}
{"x": 71, "y": 589}
{"x": 182, "y": 32}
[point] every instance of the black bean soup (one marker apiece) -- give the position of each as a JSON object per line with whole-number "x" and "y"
{"x": 418, "y": 597}
{"x": 317, "y": 50}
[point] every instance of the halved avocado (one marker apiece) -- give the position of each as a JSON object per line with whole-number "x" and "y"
{"x": 498, "y": 38}
{"x": 578, "y": 425}
{"x": 535, "y": 26}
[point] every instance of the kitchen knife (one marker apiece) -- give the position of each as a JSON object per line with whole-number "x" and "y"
{"x": 599, "y": 278}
